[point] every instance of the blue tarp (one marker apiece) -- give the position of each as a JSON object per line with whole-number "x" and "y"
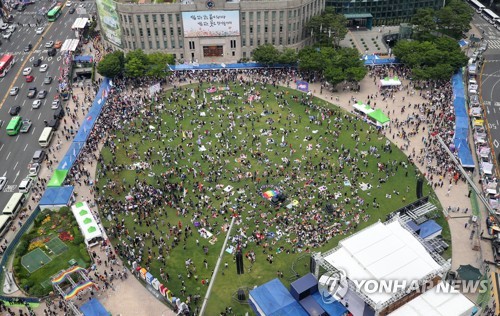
{"x": 222, "y": 66}
{"x": 461, "y": 122}
{"x": 95, "y": 110}
{"x": 429, "y": 228}
{"x": 333, "y": 309}
{"x": 94, "y": 308}
{"x": 56, "y": 196}
{"x": 83, "y": 59}
{"x": 70, "y": 156}
{"x": 274, "y": 299}
{"x": 312, "y": 307}
{"x": 373, "y": 60}
{"x": 463, "y": 43}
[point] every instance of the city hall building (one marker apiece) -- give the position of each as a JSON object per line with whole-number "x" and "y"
{"x": 206, "y": 31}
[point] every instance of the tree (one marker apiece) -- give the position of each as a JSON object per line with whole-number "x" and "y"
{"x": 431, "y": 60}
{"x": 310, "y": 59}
{"x": 329, "y": 28}
{"x": 288, "y": 57}
{"x": 135, "y": 68}
{"x": 424, "y": 23}
{"x": 266, "y": 54}
{"x": 111, "y": 65}
{"x": 157, "y": 63}
{"x": 455, "y": 18}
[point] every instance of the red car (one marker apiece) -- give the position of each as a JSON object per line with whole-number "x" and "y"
{"x": 30, "y": 78}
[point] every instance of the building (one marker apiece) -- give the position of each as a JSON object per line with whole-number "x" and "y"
{"x": 365, "y": 13}
{"x": 211, "y": 31}
{"x": 380, "y": 253}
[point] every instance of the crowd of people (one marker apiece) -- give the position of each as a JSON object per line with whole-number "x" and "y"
{"x": 152, "y": 205}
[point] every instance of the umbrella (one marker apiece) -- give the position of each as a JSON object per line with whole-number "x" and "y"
{"x": 469, "y": 273}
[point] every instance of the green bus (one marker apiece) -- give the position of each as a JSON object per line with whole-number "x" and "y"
{"x": 54, "y": 12}
{"x": 14, "y": 125}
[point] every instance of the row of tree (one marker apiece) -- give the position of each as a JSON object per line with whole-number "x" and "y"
{"x": 453, "y": 20}
{"x": 135, "y": 64}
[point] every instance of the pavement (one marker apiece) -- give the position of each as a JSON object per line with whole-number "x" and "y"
{"x": 131, "y": 298}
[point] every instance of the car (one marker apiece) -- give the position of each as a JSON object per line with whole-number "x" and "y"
{"x": 30, "y": 78}
{"x": 39, "y": 156}
{"x": 58, "y": 44}
{"x": 28, "y": 48}
{"x": 54, "y": 124}
{"x": 25, "y": 127}
{"x": 33, "y": 171}
{"x": 52, "y": 52}
{"x": 7, "y": 35}
{"x": 36, "y": 104}
{"x": 37, "y": 62}
{"x": 68, "y": 4}
{"x": 32, "y": 92}
{"x": 49, "y": 44}
{"x": 3, "y": 181}
{"x": 47, "y": 80}
{"x": 39, "y": 30}
{"x": 42, "y": 94}
{"x": 59, "y": 113}
{"x": 13, "y": 111}
{"x": 12, "y": 28}
{"x": 14, "y": 91}
{"x": 4, "y": 27}
{"x": 72, "y": 10}
{"x": 25, "y": 185}
{"x": 26, "y": 71}
{"x": 44, "y": 67}
{"x": 55, "y": 104}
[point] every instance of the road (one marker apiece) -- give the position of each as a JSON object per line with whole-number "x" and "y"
{"x": 490, "y": 81}
{"x": 16, "y": 151}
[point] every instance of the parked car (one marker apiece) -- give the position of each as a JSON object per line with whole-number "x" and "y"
{"x": 58, "y": 44}
{"x": 30, "y": 78}
{"x": 44, "y": 67}
{"x": 25, "y": 127}
{"x": 55, "y": 104}
{"x": 7, "y": 35}
{"x": 28, "y": 48}
{"x": 35, "y": 168}
{"x": 49, "y": 44}
{"x": 42, "y": 94}
{"x": 37, "y": 62}
{"x": 47, "y": 80}
{"x": 39, "y": 156}
{"x": 72, "y": 10}
{"x": 52, "y": 52}
{"x": 39, "y": 30}
{"x": 25, "y": 185}
{"x": 26, "y": 71}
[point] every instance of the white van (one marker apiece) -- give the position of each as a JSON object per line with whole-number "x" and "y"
{"x": 25, "y": 185}
{"x": 46, "y": 137}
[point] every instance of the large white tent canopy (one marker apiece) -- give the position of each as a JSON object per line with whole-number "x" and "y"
{"x": 383, "y": 252}
{"x": 438, "y": 303}
{"x": 389, "y": 82}
{"x": 70, "y": 45}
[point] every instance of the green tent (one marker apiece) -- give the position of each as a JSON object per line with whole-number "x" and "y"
{"x": 91, "y": 229}
{"x": 83, "y": 212}
{"x": 469, "y": 273}
{"x": 87, "y": 221}
{"x": 379, "y": 117}
{"x": 57, "y": 178}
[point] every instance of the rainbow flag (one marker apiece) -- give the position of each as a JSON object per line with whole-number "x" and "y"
{"x": 61, "y": 277}
{"x": 269, "y": 194}
{"x": 78, "y": 289}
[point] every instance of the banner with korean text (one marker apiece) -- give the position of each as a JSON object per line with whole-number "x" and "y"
{"x": 211, "y": 23}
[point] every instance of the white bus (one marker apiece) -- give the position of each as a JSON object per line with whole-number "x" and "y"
{"x": 14, "y": 205}
{"x": 477, "y": 6}
{"x": 5, "y": 221}
{"x": 46, "y": 137}
{"x": 490, "y": 16}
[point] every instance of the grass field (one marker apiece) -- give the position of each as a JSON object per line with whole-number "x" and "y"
{"x": 328, "y": 161}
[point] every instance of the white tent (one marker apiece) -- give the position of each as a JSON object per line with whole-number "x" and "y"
{"x": 70, "y": 45}
{"x": 438, "y": 303}
{"x": 389, "y": 82}
{"x": 487, "y": 167}
{"x": 362, "y": 108}
{"x": 383, "y": 252}
{"x": 80, "y": 23}
{"x": 91, "y": 231}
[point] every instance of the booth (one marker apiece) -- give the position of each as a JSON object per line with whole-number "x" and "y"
{"x": 91, "y": 231}
{"x": 149, "y": 277}
{"x": 389, "y": 82}
{"x": 378, "y": 118}
{"x": 362, "y": 109}
{"x": 143, "y": 273}
{"x": 156, "y": 284}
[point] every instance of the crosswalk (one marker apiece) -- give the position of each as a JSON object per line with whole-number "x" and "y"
{"x": 494, "y": 43}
